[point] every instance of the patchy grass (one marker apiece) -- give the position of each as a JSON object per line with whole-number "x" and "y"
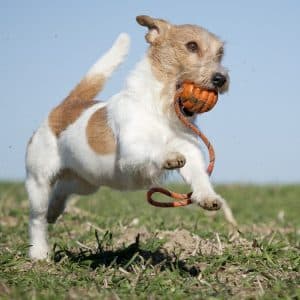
{"x": 114, "y": 245}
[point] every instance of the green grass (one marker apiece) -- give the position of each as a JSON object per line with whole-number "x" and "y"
{"x": 113, "y": 245}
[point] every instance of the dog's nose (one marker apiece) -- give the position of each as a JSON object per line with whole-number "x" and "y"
{"x": 218, "y": 80}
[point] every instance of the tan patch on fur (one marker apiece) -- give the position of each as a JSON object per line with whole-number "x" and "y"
{"x": 67, "y": 113}
{"x": 78, "y": 100}
{"x": 99, "y": 135}
{"x": 88, "y": 88}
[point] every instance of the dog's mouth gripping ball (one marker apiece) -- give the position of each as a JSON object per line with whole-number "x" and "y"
{"x": 195, "y": 99}
{"x": 189, "y": 99}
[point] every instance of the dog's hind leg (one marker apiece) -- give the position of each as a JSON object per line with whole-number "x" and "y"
{"x": 67, "y": 183}
{"x": 42, "y": 163}
{"x": 38, "y": 191}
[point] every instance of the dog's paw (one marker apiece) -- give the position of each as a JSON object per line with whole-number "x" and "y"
{"x": 208, "y": 202}
{"x": 175, "y": 160}
{"x": 38, "y": 252}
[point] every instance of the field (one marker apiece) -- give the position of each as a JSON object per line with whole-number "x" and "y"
{"x": 113, "y": 245}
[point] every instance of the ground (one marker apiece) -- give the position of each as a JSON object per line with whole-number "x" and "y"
{"x": 114, "y": 245}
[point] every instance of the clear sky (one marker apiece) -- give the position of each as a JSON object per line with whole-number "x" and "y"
{"x": 47, "y": 46}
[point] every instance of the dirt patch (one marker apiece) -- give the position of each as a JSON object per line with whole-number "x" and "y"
{"x": 180, "y": 242}
{"x": 129, "y": 235}
{"x": 185, "y": 244}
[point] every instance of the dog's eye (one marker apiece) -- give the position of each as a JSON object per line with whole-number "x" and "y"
{"x": 192, "y": 46}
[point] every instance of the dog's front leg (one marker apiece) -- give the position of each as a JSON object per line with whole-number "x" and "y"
{"x": 194, "y": 173}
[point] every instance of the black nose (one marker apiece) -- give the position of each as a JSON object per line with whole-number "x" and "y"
{"x": 218, "y": 80}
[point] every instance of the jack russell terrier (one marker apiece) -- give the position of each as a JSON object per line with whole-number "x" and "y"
{"x": 130, "y": 141}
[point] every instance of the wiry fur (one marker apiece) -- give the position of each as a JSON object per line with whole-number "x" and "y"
{"x": 147, "y": 135}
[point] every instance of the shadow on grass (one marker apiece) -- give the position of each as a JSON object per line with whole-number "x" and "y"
{"x": 125, "y": 257}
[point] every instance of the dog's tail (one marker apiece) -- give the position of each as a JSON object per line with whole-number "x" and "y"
{"x": 94, "y": 80}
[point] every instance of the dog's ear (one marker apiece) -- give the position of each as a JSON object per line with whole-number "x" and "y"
{"x": 157, "y": 27}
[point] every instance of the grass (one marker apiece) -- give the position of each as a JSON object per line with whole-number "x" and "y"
{"x": 113, "y": 245}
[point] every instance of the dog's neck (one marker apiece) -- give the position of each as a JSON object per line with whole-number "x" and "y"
{"x": 145, "y": 86}
{"x": 142, "y": 79}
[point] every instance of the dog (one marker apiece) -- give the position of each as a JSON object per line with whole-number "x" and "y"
{"x": 132, "y": 140}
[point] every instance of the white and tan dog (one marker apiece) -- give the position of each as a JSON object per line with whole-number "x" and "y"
{"x": 130, "y": 141}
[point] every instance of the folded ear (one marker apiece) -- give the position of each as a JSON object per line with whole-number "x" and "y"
{"x": 157, "y": 27}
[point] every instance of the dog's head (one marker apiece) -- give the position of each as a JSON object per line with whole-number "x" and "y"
{"x": 185, "y": 52}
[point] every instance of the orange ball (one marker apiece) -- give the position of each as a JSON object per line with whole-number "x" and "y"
{"x": 196, "y": 99}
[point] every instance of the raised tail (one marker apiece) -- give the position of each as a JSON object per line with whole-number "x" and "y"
{"x": 94, "y": 80}
{"x": 82, "y": 96}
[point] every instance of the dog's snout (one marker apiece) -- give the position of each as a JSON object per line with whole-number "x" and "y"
{"x": 218, "y": 80}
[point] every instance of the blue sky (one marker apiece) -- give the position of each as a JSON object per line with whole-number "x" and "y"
{"x": 47, "y": 46}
